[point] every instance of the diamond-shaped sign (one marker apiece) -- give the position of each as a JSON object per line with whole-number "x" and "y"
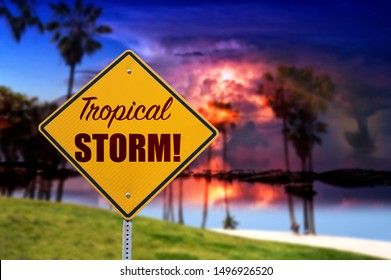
{"x": 128, "y": 133}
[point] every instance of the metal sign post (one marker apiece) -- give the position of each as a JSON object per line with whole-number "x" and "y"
{"x": 127, "y": 228}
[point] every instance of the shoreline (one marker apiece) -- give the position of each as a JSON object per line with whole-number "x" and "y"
{"x": 369, "y": 247}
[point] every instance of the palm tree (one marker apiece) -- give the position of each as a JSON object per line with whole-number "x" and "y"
{"x": 311, "y": 94}
{"x": 223, "y": 117}
{"x": 19, "y": 15}
{"x": 298, "y": 96}
{"x": 276, "y": 90}
{"x": 73, "y": 31}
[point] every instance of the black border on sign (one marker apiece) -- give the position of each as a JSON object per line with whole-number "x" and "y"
{"x": 81, "y": 170}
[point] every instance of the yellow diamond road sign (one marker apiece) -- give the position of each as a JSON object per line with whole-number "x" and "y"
{"x": 128, "y": 133}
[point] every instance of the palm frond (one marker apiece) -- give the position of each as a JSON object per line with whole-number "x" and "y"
{"x": 94, "y": 15}
{"x": 61, "y": 9}
{"x": 17, "y": 27}
{"x": 91, "y": 46}
{"x": 56, "y": 37}
{"x": 35, "y": 21}
{"x": 88, "y": 9}
{"x": 4, "y": 12}
{"x": 52, "y": 26}
{"x": 78, "y": 7}
{"x": 103, "y": 29}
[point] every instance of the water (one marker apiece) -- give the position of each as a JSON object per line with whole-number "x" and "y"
{"x": 357, "y": 212}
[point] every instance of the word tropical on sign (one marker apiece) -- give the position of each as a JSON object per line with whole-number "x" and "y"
{"x": 140, "y": 112}
{"x": 128, "y": 133}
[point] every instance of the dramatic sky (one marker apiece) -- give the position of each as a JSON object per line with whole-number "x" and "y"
{"x": 219, "y": 50}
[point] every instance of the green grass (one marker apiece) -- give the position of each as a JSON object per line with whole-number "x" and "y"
{"x": 43, "y": 230}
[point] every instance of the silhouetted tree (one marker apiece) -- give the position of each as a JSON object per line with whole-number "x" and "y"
{"x": 15, "y": 108}
{"x": 311, "y": 94}
{"x": 223, "y": 117}
{"x": 276, "y": 90}
{"x": 19, "y": 15}
{"x": 21, "y": 145}
{"x": 298, "y": 96}
{"x": 74, "y": 30}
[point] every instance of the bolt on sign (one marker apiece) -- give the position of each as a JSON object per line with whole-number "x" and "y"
{"x": 128, "y": 133}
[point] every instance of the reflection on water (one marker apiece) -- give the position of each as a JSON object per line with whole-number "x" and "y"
{"x": 209, "y": 203}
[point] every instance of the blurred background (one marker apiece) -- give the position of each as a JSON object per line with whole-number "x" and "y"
{"x": 299, "y": 90}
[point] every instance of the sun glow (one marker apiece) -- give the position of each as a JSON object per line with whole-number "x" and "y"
{"x": 227, "y": 74}
{"x": 225, "y": 92}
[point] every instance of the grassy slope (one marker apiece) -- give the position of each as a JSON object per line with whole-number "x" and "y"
{"x": 41, "y": 230}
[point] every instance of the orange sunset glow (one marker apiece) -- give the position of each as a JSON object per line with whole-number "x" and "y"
{"x": 232, "y": 82}
{"x": 225, "y": 92}
{"x": 254, "y": 196}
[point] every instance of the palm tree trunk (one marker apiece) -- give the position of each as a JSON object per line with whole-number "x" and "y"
{"x": 303, "y": 163}
{"x": 286, "y": 146}
{"x": 306, "y": 216}
{"x": 310, "y": 158}
{"x": 60, "y": 189}
{"x": 225, "y": 159}
{"x": 206, "y": 203}
{"x": 41, "y": 188}
{"x": 226, "y": 200}
{"x": 71, "y": 80}
{"x": 311, "y": 215}
{"x": 62, "y": 177}
{"x": 180, "y": 202}
{"x": 294, "y": 225}
{"x": 209, "y": 159}
{"x": 30, "y": 190}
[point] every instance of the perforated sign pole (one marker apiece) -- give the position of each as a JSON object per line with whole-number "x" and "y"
{"x": 127, "y": 229}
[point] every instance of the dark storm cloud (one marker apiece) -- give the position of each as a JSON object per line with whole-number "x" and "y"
{"x": 345, "y": 26}
{"x": 349, "y": 40}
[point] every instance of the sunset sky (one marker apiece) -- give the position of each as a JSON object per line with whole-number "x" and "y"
{"x": 219, "y": 50}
